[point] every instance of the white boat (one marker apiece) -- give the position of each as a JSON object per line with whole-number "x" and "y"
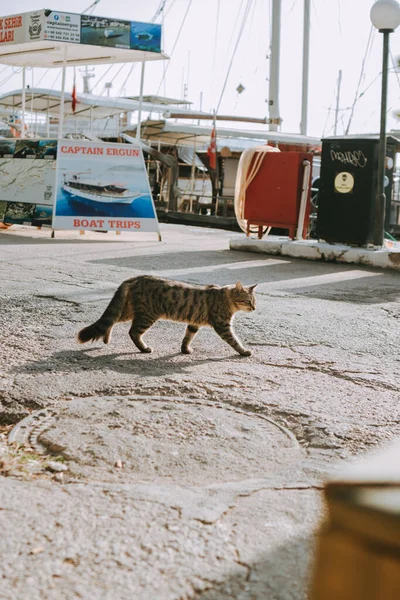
{"x": 110, "y": 33}
{"x": 84, "y": 188}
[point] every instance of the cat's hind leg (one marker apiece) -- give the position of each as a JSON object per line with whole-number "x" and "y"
{"x": 140, "y": 324}
{"x": 225, "y": 331}
{"x": 190, "y": 332}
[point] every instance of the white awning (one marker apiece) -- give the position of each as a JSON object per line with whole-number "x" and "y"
{"x": 51, "y": 54}
{"x": 236, "y": 140}
{"x": 47, "y": 101}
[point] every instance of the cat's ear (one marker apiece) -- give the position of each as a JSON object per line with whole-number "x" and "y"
{"x": 253, "y": 287}
{"x": 239, "y": 287}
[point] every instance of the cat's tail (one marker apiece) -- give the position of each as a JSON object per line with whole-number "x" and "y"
{"x": 103, "y": 326}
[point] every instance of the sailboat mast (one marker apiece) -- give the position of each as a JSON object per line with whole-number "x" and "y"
{"x": 337, "y": 102}
{"x": 306, "y": 60}
{"x": 273, "y": 101}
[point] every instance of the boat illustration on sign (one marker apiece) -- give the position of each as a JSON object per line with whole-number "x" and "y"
{"x": 110, "y": 33}
{"x": 84, "y": 187}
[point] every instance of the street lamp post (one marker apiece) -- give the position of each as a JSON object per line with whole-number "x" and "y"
{"x": 385, "y": 16}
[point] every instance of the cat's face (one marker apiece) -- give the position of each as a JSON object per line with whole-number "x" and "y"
{"x": 244, "y": 297}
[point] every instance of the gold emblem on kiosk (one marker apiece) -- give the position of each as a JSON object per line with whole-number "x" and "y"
{"x": 344, "y": 183}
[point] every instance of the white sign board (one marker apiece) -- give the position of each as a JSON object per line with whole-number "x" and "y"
{"x": 62, "y": 27}
{"x": 104, "y": 187}
{"x": 53, "y": 25}
{"x": 13, "y": 29}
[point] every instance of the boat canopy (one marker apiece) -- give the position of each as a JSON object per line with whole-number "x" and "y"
{"x": 47, "y": 101}
{"x": 48, "y": 38}
{"x": 55, "y": 39}
{"x": 235, "y": 140}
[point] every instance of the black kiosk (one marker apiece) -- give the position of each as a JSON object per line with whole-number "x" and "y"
{"x": 346, "y": 200}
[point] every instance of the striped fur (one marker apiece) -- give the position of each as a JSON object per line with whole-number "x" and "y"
{"x": 145, "y": 299}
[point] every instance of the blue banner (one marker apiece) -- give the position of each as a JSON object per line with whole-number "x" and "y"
{"x": 145, "y": 36}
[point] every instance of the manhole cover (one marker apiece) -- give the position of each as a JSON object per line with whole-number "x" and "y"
{"x": 169, "y": 439}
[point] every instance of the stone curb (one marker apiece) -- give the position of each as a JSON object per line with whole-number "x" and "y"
{"x": 385, "y": 258}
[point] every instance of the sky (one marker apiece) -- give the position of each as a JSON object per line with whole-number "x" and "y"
{"x": 201, "y": 35}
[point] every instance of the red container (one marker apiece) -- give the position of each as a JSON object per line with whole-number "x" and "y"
{"x": 273, "y": 197}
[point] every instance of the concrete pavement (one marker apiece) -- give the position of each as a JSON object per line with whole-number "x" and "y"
{"x": 176, "y": 476}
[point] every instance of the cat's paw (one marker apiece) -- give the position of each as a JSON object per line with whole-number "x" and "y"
{"x": 186, "y": 350}
{"x": 147, "y": 350}
{"x": 245, "y": 352}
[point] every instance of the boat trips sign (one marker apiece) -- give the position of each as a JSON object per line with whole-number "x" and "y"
{"x": 103, "y": 187}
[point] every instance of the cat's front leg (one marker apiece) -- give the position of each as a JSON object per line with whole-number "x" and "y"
{"x": 140, "y": 324}
{"x": 225, "y": 331}
{"x": 190, "y": 332}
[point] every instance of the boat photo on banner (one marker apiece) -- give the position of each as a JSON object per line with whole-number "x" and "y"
{"x": 105, "y": 32}
{"x": 102, "y": 186}
{"x": 145, "y": 36}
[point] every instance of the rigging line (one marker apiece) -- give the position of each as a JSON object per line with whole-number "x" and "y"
{"x": 171, "y": 5}
{"x": 332, "y": 128}
{"x": 215, "y": 48}
{"x": 6, "y": 79}
{"x": 91, "y": 7}
{"x": 372, "y": 83}
{"x": 126, "y": 79}
{"x": 316, "y": 13}
{"x": 371, "y": 47}
{"x": 395, "y": 68}
{"x": 360, "y": 80}
{"x": 176, "y": 41}
{"x": 113, "y": 78}
{"x": 344, "y": 109}
{"x": 233, "y": 30}
{"x": 245, "y": 15}
{"x": 340, "y": 17}
{"x": 368, "y": 118}
{"x": 102, "y": 77}
{"x": 56, "y": 79}
{"x": 10, "y": 76}
{"x": 249, "y": 41}
{"x": 292, "y": 7}
{"x": 335, "y": 93}
{"x": 326, "y": 121}
{"x": 159, "y": 10}
{"x": 43, "y": 76}
{"x": 341, "y": 120}
{"x": 252, "y": 19}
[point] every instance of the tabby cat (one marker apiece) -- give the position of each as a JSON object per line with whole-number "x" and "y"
{"x": 145, "y": 299}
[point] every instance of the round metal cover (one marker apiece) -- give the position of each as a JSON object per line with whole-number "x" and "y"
{"x": 168, "y": 439}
